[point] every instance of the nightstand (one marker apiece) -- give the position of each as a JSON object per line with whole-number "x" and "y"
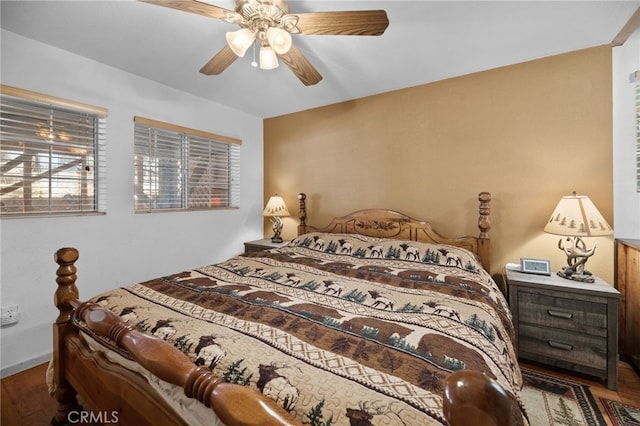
{"x": 259, "y": 245}
{"x": 566, "y": 324}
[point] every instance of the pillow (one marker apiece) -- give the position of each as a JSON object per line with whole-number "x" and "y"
{"x": 384, "y": 248}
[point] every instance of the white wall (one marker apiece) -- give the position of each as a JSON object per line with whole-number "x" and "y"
{"x": 626, "y": 199}
{"x": 118, "y": 248}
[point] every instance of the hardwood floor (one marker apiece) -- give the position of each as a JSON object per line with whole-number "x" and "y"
{"x": 26, "y": 401}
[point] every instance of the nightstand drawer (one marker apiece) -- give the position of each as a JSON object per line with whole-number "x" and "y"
{"x": 577, "y": 348}
{"x": 252, "y": 248}
{"x": 563, "y": 313}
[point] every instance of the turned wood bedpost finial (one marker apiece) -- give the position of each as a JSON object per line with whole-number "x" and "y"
{"x": 302, "y": 208}
{"x": 66, "y": 279}
{"x": 484, "y": 224}
{"x": 302, "y": 213}
{"x": 65, "y": 295}
{"x": 484, "y": 221}
{"x": 470, "y": 394}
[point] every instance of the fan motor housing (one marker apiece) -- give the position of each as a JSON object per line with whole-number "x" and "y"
{"x": 280, "y": 4}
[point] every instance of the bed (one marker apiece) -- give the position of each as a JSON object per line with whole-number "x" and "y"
{"x": 373, "y": 319}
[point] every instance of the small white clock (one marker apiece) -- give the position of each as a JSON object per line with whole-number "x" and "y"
{"x": 535, "y": 266}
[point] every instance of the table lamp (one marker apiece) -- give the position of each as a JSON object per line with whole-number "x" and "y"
{"x": 276, "y": 208}
{"x": 575, "y": 217}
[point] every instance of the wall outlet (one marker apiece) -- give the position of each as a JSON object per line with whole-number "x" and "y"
{"x": 10, "y": 315}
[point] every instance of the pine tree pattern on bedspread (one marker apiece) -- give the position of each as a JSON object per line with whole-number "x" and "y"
{"x": 338, "y": 329}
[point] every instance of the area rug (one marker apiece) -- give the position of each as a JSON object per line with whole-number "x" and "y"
{"x": 621, "y": 414}
{"x": 551, "y": 401}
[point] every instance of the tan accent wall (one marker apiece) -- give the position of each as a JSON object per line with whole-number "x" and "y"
{"x": 528, "y": 133}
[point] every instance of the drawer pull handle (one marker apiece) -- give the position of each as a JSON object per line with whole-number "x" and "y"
{"x": 558, "y": 345}
{"x": 560, "y": 314}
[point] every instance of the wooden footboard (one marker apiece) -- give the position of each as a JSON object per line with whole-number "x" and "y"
{"x": 111, "y": 392}
{"x": 234, "y": 405}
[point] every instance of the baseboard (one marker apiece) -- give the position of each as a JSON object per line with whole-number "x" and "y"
{"x": 24, "y": 365}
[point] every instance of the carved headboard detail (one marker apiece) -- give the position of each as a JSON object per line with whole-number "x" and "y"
{"x": 392, "y": 224}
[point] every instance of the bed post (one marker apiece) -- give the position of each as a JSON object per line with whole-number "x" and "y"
{"x": 484, "y": 224}
{"x": 470, "y": 394}
{"x": 65, "y": 299}
{"x": 302, "y": 213}
{"x": 235, "y": 405}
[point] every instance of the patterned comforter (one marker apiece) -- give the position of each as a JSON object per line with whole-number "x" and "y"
{"x": 338, "y": 329}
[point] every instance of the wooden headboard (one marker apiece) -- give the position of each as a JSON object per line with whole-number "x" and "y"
{"x": 391, "y": 224}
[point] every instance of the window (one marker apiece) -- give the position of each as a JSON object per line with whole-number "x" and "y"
{"x": 638, "y": 134}
{"x": 52, "y": 155}
{"x": 184, "y": 169}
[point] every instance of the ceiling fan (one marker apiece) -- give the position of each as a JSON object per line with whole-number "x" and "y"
{"x": 269, "y": 23}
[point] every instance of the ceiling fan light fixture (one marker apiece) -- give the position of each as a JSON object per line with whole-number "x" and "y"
{"x": 268, "y": 58}
{"x": 256, "y": 18}
{"x": 289, "y": 24}
{"x": 239, "y": 41}
{"x": 279, "y": 40}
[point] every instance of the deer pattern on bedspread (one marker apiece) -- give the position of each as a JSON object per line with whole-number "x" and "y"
{"x": 337, "y": 329}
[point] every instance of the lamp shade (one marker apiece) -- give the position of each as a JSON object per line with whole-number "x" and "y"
{"x": 268, "y": 58}
{"x": 276, "y": 207}
{"x": 239, "y": 41}
{"x": 577, "y": 216}
{"x": 279, "y": 40}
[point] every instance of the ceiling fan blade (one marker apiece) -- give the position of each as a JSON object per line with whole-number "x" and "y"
{"x": 194, "y": 6}
{"x": 220, "y": 62}
{"x": 355, "y": 22}
{"x": 301, "y": 66}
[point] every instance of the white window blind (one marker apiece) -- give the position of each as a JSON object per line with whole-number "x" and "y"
{"x": 52, "y": 155}
{"x": 177, "y": 168}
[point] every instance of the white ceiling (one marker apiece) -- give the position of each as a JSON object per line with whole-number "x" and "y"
{"x": 426, "y": 41}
